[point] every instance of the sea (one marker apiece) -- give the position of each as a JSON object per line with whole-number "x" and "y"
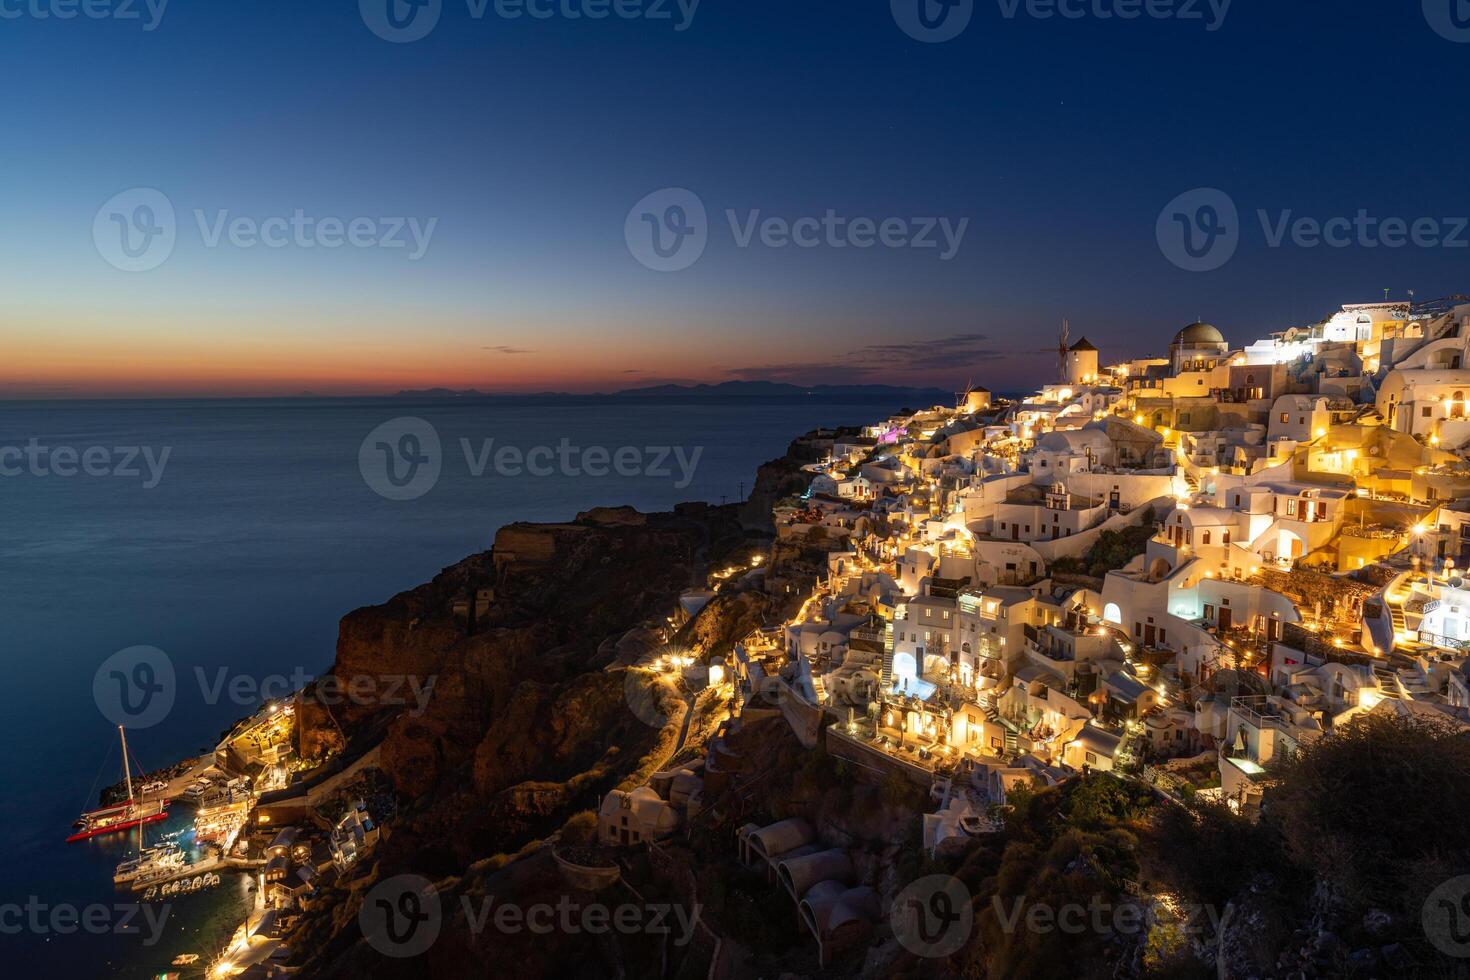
{"x": 232, "y": 535}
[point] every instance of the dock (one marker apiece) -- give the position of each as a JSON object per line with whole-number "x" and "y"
{"x": 202, "y": 867}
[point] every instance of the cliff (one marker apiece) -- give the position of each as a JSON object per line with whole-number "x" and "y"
{"x": 534, "y": 711}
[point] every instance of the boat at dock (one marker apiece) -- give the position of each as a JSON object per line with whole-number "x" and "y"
{"x": 132, "y": 812}
{"x": 153, "y": 862}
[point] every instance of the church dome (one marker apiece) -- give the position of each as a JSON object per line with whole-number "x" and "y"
{"x": 1198, "y": 334}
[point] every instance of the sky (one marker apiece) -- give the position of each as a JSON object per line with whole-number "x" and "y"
{"x": 499, "y": 171}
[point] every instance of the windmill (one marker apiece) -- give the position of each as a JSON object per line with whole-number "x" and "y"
{"x": 1061, "y": 351}
{"x": 959, "y": 399}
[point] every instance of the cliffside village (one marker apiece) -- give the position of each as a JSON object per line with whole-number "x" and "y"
{"x": 1174, "y": 568}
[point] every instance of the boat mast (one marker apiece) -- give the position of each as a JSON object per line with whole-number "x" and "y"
{"x": 127, "y": 770}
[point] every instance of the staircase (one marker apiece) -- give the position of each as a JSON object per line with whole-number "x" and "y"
{"x": 819, "y": 689}
{"x": 1396, "y": 613}
{"x": 1413, "y": 684}
{"x": 1191, "y": 482}
{"x": 886, "y": 675}
{"x": 1388, "y": 681}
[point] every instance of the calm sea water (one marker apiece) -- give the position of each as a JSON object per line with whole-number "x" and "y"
{"x": 259, "y": 536}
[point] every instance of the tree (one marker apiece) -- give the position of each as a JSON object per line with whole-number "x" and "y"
{"x": 1375, "y": 810}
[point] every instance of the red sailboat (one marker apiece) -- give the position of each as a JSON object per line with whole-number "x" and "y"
{"x": 120, "y": 816}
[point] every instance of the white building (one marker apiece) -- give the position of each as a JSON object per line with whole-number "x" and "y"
{"x": 1298, "y": 418}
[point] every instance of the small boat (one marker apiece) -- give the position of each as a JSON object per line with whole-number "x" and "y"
{"x": 185, "y": 959}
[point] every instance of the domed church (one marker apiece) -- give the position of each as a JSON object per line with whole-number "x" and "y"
{"x": 1198, "y": 347}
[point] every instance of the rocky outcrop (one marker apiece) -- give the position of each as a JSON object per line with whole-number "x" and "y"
{"x": 537, "y": 707}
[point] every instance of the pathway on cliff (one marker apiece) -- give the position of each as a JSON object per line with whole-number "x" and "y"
{"x": 684, "y": 729}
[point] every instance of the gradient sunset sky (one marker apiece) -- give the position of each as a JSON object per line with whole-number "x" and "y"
{"x": 530, "y": 140}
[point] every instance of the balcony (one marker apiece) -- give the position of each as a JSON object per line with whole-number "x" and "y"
{"x": 1259, "y": 711}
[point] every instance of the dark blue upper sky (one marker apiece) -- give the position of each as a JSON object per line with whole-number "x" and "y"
{"x": 1060, "y": 140}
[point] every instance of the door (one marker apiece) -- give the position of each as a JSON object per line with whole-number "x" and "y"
{"x": 1113, "y": 500}
{"x": 1148, "y": 636}
{"x": 1224, "y": 618}
{"x": 1015, "y": 532}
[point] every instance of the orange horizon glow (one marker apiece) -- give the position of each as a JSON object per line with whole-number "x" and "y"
{"x": 56, "y": 357}
{"x": 90, "y": 364}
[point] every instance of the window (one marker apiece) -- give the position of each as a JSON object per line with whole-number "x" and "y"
{"x": 1426, "y": 411}
{"x": 1092, "y": 758}
{"x": 1284, "y": 418}
{"x": 1291, "y": 507}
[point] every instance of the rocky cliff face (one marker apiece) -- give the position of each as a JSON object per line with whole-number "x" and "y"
{"x": 525, "y": 695}
{"x": 531, "y": 716}
{"x": 534, "y": 712}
